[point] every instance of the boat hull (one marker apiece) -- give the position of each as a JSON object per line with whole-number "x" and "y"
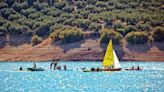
{"x": 117, "y": 69}
{"x": 92, "y": 70}
{"x": 35, "y": 69}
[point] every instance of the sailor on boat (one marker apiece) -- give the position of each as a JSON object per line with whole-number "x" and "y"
{"x": 98, "y": 69}
{"x": 34, "y": 66}
{"x": 93, "y": 69}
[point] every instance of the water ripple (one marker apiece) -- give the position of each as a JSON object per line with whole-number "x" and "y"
{"x": 151, "y": 79}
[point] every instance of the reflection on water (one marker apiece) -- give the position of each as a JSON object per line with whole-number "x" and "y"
{"x": 151, "y": 79}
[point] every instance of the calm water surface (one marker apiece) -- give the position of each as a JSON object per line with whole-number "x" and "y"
{"x": 151, "y": 79}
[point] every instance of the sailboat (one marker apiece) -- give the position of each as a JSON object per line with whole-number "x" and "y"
{"x": 111, "y": 62}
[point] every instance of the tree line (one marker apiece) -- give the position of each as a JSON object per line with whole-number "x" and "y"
{"x": 137, "y": 21}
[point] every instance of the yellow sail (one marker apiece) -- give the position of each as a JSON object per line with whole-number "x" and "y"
{"x": 109, "y": 57}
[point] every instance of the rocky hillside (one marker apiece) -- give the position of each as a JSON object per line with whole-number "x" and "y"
{"x": 88, "y": 49}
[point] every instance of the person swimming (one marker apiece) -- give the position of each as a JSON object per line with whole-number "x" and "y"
{"x": 58, "y": 68}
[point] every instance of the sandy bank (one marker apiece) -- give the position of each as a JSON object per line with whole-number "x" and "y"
{"x": 86, "y": 50}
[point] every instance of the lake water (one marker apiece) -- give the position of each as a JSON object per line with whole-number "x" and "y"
{"x": 151, "y": 79}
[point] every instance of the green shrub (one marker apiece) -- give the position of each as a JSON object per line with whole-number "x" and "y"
{"x": 137, "y": 38}
{"x": 80, "y": 4}
{"x": 68, "y": 9}
{"x": 5, "y": 12}
{"x": 18, "y": 6}
{"x": 95, "y": 26}
{"x": 2, "y": 21}
{"x": 53, "y": 36}
{"x": 42, "y": 29}
{"x": 117, "y": 25}
{"x": 90, "y": 8}
{"x": 69, "y": 21}
{"x": 158, "y": 34}
{"x": 106, "y": 35}
{"x": 13, "y": 17}
{"x": 10, "y": 2}
{"x": 128, "y": 29}
{"x": 55, "y": 13}
{"x": 143, "y": 27}
{"x": 28, "y": 22}
{"x": 71, "y": 35}
{"x": 36, "y": 40}
{"x": 121, "y": 6}
{"x": 3, "y": 5}
{"x": 30, "y": 2}
{"x": 15, "y": 29}
{"x": 60, "y": 5}
{"x": 3, "y": 30}
{"x": 28, "y": 11}
{"x": 101, "y": 4}
{"x": 56, "y": 27}
{"x": 121, "y": 31}
{"x": 34, "y": 15}
{"x": 35, "y": 5}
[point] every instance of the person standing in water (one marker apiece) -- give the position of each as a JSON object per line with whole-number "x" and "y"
{"x": 34, "y": 65}
{"x": 51, "y": 65}
{"x": 55, "y": 65}
{"x": 65, "y": 67}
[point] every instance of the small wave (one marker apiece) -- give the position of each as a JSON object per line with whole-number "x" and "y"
{"x": 12, "y": 71}
{"x": 154, "y": 68}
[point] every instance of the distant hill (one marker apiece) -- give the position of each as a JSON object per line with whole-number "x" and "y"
{"x": 42, "y": 17}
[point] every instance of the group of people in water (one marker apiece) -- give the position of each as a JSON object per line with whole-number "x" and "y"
{"x": 53, "y": 65}
{"x": 138, "y": 68}
{"x": 133, "y": 68}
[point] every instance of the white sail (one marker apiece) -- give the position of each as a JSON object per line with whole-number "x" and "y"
{"x": 116, "y": 61}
